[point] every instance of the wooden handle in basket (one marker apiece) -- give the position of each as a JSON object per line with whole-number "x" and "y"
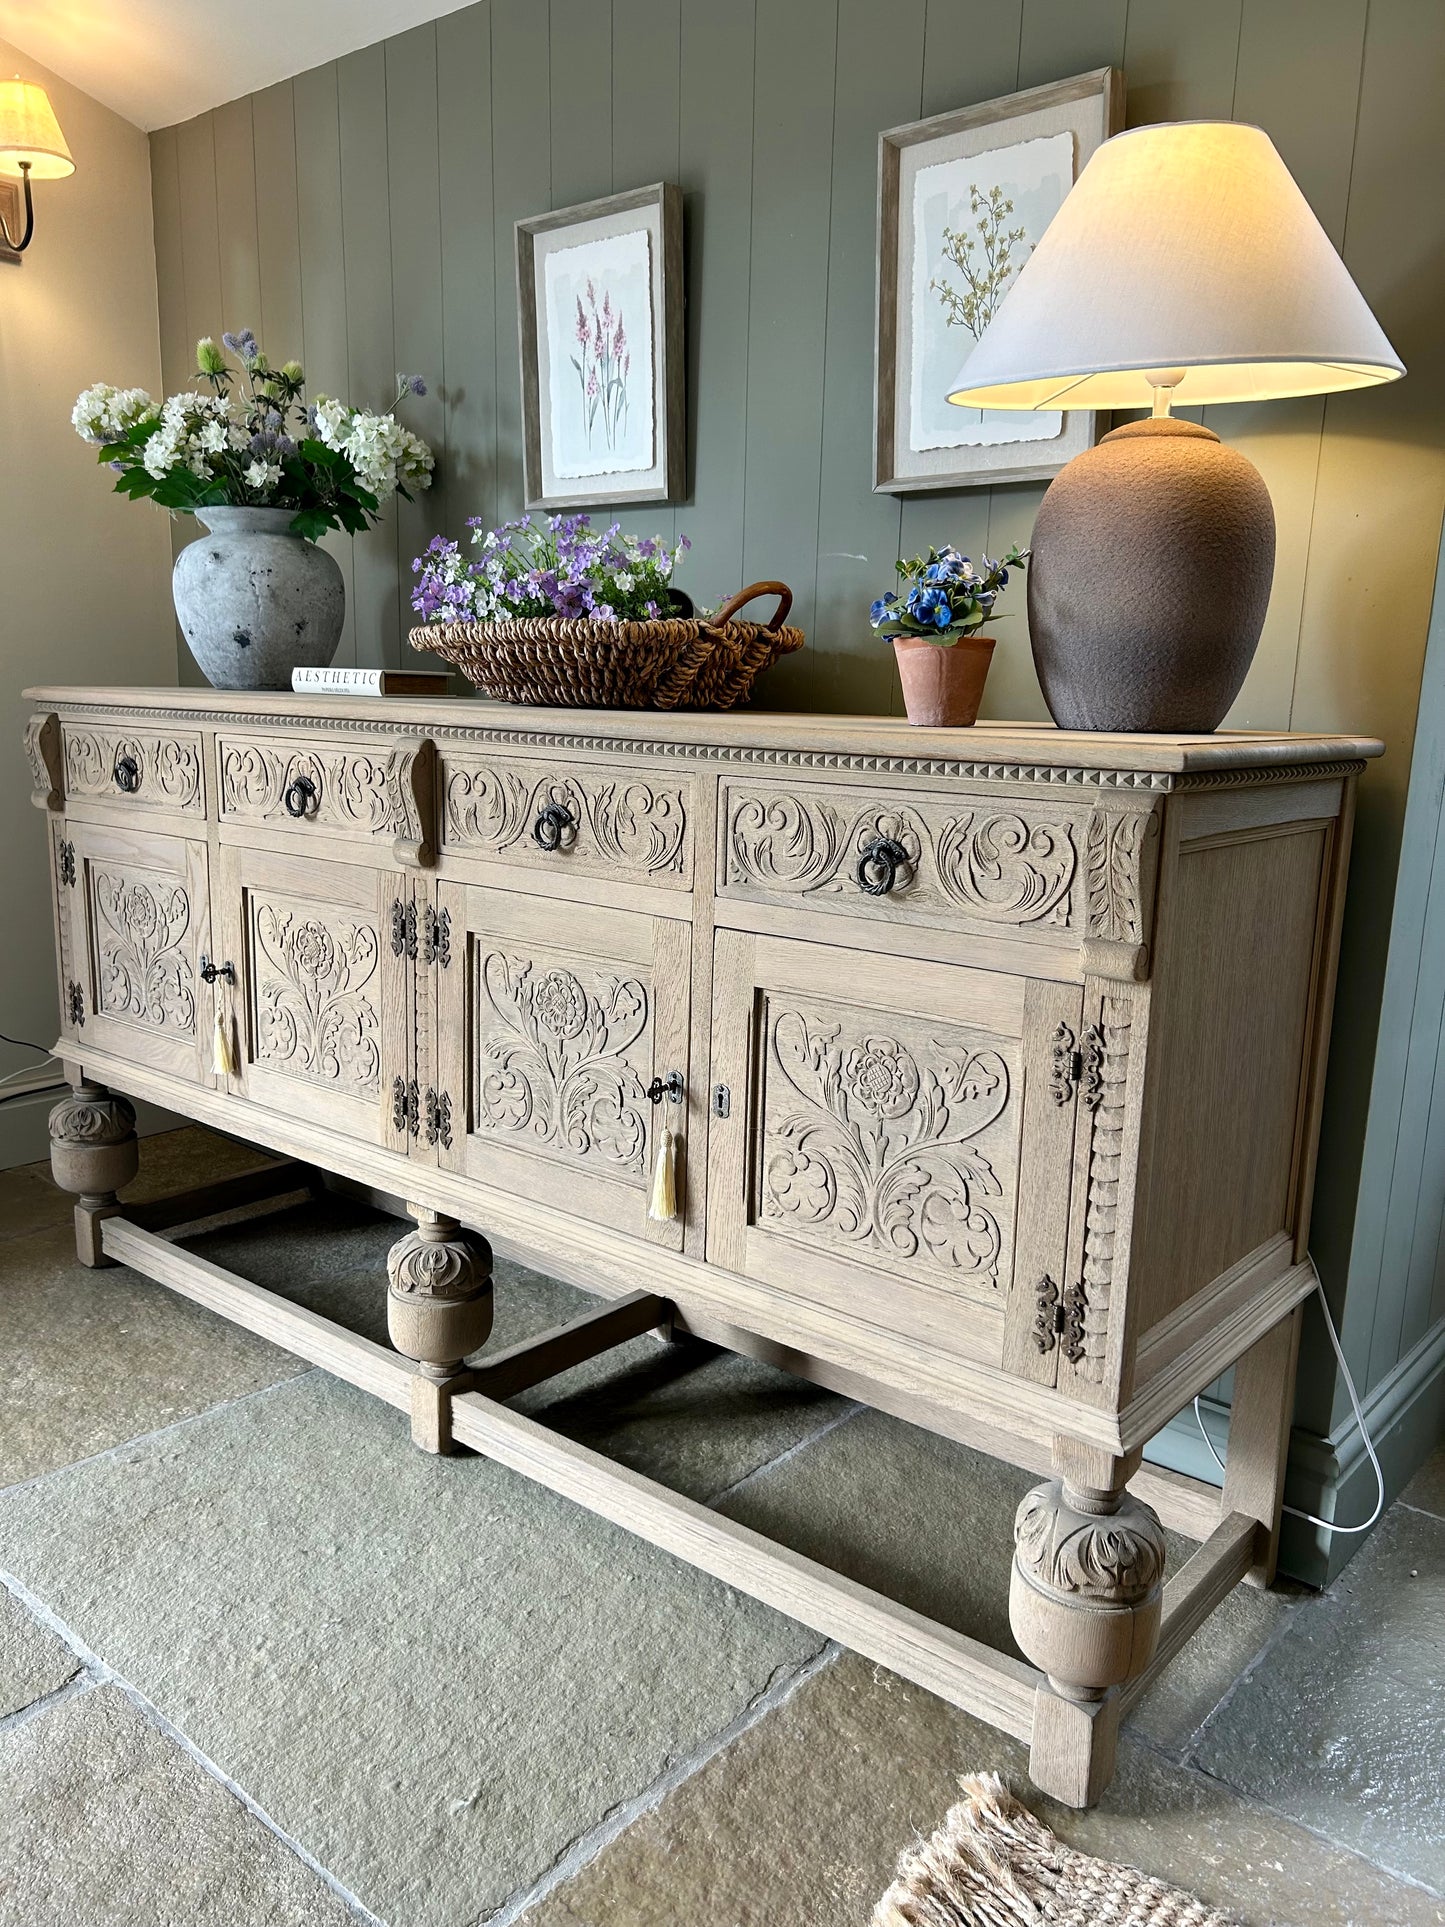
{"x": 735, "y": 602}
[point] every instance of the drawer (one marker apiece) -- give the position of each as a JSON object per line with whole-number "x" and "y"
{"x": 136, "y": 769}
{"x": 306, "y": 786}
{"x": 584, "y": 820}
{"x": 967, "y": 862}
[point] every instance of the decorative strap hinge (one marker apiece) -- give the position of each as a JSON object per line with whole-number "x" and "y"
{"x": 1059, "y": 1318}
{"x": 406, "y": 1106}
{"x": 67, "y": 863}
{"x": 1091, "y": 1066}
{"x": 403, "y": 929}
{"x": 1065, "y": 1065}
{"x": 438, "y": 1118}
{"x": 74, "y": 1004}
{"x": 436, "y": 937}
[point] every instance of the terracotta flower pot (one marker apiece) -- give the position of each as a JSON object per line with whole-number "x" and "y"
{"x": 943, "y": 681}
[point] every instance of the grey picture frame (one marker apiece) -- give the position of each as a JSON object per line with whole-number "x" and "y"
{"x": 661, "y": 205}
{"x": 1091, "y": 105}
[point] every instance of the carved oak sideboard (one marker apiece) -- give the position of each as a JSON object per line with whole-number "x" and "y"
{"x": 973, "y": 1073}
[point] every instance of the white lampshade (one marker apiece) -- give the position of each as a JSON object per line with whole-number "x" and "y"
{"x": 1184, "y": 250}
{"x": 30, "y": 132}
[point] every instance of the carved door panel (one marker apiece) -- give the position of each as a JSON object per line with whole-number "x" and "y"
{"x": 553, "y": 1021}
{"x": 896, "y": 1144}
{"x": 322, "y": 995}
{"x": 139, "y": 925}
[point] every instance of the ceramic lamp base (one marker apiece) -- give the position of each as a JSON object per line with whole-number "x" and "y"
{"x": 1152, "y": 560}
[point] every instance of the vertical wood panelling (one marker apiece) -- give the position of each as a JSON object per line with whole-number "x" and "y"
{"x": 371, "y": 354}
{"x": 521, "y": 185}
{"x": 364, "y": 213}
{"x": 277, "y": 225}
{"x": 787, "y": 319}
{"x": 880, "y": 57}
{"x": 718, "y": 58}
{"x": 469, "y": 302}
{"x": 416, "y": 280}
{"x": 323, "y": 277}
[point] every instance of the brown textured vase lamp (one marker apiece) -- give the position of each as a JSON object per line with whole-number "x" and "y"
{"x": 1185, "y": 265}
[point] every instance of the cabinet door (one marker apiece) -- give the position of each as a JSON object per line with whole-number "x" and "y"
{"x": 554, "y": 1019}
{"x": 895, "y": 1145}
{"x": 322, "y": 999}
{"x": 139, "y": 925}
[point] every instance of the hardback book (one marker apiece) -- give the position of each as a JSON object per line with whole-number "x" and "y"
{"x": 369, "y": 682}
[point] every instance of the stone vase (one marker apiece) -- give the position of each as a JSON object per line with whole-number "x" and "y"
{"x": 943, "y": 681}
{"x": 254, "y": 601}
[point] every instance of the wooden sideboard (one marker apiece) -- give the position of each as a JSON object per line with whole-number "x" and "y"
{"x": 991, "y": 1061}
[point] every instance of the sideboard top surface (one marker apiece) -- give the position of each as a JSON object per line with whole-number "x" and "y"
{"x": 731, "y": 736}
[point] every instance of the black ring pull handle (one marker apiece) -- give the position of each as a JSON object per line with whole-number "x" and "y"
{"x": 552, "y": 824}
{"x": 879, "y": 864}
{"x": 126, "y": 774}
{"x": 301, "y": 796}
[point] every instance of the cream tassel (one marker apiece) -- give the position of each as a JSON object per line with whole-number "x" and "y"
{"x": 662, "y": 1205}
{"x": 223, "y": 1056}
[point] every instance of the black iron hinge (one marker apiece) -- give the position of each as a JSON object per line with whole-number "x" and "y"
{"x": 436, "y": 937}
{"x": 1059, "y": 1318}
{"x": 1077, "y": 1064}
{"x": 75, "y": 1004}
{"x": 67, "y": 863}
{"x": 406, "y": 1106}
{"x": 439, "y": 1118}
{"x": 403, "y": 928}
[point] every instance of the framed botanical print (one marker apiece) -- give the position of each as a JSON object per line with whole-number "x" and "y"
{"x": 600, "y": 320}
{"x": 962, "y": 201}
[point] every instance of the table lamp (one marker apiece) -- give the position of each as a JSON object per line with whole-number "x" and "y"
{"x": 1185, "y": 265}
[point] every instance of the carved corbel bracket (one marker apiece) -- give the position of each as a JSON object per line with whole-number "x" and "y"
{"x": 415, "y": 777}
{"x": 43, "y": 747}
{"x": 1121, "y": 861}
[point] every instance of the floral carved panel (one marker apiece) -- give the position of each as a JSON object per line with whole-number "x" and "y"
{"x": 316, "y": 976}
{"x": 997, "y": 863}
{"x": 145, "y": 973}
{"x": 618, "y": 822}
{"x": 563, "y": 1054}
{"x": 891, "y": 1140}
{"x": 167, "y": 768}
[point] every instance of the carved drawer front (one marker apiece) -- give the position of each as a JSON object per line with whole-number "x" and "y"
{"x": 138, "y": 925}
{"x": 317, "y": 994}
{"x": 559, "y": 819}
{"x": 990, "y": 864}
{"x": 889, "y": 1146}
{"x": 553, "y": 1022}
{"x": 384, "y": 790}
{"x": 135, "y": 769}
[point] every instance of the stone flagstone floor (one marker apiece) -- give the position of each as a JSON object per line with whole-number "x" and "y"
{"x": 261, "y": 1662}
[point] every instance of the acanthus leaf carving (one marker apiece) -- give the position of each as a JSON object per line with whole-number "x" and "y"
{"x": 558, "y": 1060}
{"x": 640, "y": 826}
{"x": 880, "y": 1153}
{"x": 367, "y": 792}
{"x": 315, "y": 1009}
{"x": 144, "y": 972}
{"x": 1111, "y": 1557}
{"x": 168, "y": 768}
{"x": 1114, "y": 870}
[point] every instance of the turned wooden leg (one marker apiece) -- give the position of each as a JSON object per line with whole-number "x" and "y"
{"x": 94, "y": 1153}
{"x": 438, "y": 1309}
{"x": 1084, "y": 1604}
{"x": 1259, "y": 1422}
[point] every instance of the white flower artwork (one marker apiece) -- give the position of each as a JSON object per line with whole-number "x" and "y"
{"x": 598, "y": 317}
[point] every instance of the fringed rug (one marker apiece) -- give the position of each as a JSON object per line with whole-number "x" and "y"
{"x": 992, "y": 1864}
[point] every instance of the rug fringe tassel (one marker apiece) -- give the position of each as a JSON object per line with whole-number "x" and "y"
{"x": 967, "y": 1873}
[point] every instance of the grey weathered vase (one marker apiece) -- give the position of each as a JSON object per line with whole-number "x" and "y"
{"x": 255, "y": 602}
{"x": 1152, "y": 560}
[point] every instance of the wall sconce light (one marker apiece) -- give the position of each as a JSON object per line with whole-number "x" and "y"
{"x": 32, "y": 147}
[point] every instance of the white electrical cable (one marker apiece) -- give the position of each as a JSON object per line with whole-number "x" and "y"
{"x": 1325, "y": 1525}
{"x": 29, "y": 1070}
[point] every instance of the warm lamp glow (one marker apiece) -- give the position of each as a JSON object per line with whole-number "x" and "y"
{"x": 1185, "y": 258}
{"x": 30, "y": 134}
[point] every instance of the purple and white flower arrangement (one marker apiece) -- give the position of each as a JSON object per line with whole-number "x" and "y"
{"x": 561, "y": 566}
{"x": 946, "y": 596}
{"x": 250, "y": 440}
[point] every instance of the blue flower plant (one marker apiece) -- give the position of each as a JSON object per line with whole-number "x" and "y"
{"x": 943, "y": 596}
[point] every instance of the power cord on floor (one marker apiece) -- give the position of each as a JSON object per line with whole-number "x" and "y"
{"x": 1325, "y": 1525}
{"x": 24, "y": 1043}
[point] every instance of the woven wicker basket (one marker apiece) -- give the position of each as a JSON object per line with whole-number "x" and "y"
{"x": 681, "y": 662}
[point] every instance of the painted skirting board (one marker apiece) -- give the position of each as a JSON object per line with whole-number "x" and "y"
{"x": 1332, "y": 1476}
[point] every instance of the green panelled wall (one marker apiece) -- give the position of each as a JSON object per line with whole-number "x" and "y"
{"x": 361, "y": 216}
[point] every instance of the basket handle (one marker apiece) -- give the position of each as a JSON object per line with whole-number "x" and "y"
{"x": 735, "y": 602}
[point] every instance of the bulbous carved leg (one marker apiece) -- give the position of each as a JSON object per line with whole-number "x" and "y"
{"x": 94, "y": 1153}
{"x": 438, "y": 1309}
{"x": 1084, "y": 1604}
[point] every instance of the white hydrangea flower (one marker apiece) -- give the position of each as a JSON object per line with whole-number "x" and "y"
{"x": 331, "y": 420}
{"x": 104, "y": 413}
{"x": 161, "y": 453}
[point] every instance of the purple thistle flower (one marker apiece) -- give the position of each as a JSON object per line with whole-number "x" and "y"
{"x": 412, "y": 384}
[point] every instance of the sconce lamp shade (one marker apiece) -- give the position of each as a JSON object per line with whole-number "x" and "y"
{"x": 29, "y": 132}
{"x": 1186, "y": 250}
